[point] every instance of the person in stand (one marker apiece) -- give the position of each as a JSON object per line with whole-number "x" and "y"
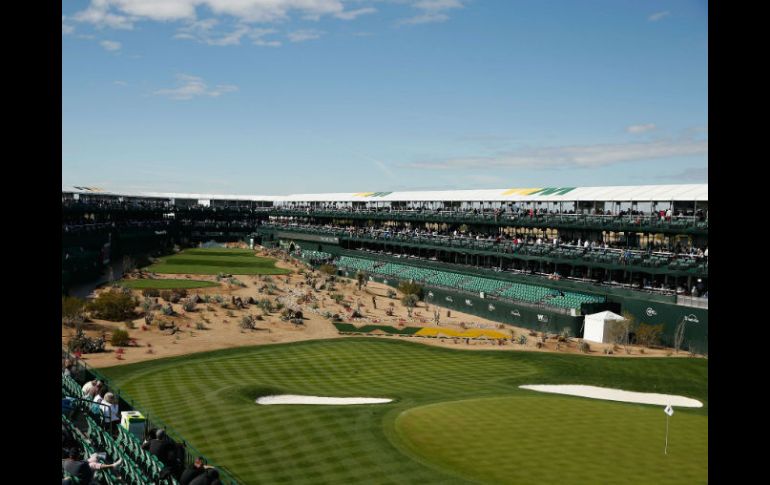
{"x": 192, "y": 472}
{"x": 94, "y": 464}
{"x": 77, "y": 467}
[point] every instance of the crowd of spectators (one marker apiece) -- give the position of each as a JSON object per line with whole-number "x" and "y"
{"x": 102, "y": 403}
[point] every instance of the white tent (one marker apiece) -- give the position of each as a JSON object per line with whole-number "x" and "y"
{"x": 598, "y": 324}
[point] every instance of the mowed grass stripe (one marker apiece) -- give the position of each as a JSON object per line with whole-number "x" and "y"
{"x": 205, "y": 261}
{"x": 360, "y": 444}
{"x": 167, "y": 284}
{"x": 609, "y": 442}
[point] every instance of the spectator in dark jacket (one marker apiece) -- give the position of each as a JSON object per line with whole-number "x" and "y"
{"x": 193, "y": 471}
{"x": 76, "y": 467}
{"x": 211, "y": 477}
{"x": 161, "y": 447}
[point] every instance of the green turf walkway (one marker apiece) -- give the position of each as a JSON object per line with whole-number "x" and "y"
{"x": 215, "y": 261}
{"x": 458, "y": 416}
{"x": 167, "y": 284}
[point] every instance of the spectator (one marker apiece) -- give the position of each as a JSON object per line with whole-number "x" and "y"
{"x": 161, "y": 447}
{"x": 193, "y": 471}
{"x": 111, "y": 411}
{"x": 76, "y": 467}
{"x": 94, "y": 464}
{"x": 90, "y": 385}
{"x": 69, "y": 368}
{"x": 211, "y": 477}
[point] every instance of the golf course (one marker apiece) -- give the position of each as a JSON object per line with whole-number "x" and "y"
{"x": 456, "y": 416}
{"x": 212, "y": 261}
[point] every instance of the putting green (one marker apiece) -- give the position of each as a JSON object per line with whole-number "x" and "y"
{"x": 215, "y": 261}
{"x": 439, "y": 404}
{"x": 169, "y": 284}
{"x": 556, "y": 440}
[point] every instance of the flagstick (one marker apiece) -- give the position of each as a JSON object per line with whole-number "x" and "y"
{"x": 665, "y": 451}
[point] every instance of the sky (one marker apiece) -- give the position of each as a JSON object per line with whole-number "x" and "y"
{"x": 274, "y": 97}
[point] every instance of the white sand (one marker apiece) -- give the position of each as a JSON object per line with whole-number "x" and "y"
{"x": 296, "y": 399}
{"x": 594, "y": 392}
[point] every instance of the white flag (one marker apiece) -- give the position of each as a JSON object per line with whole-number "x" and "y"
{"x": 669, "y": 410}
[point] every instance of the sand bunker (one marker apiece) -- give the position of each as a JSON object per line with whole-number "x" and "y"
{"x": 326, "y": 401}
{"x": 594, "y": 392}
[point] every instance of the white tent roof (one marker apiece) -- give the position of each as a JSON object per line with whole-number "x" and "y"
{"x": 605, "y": 315}
{"x": 627, "y": 193}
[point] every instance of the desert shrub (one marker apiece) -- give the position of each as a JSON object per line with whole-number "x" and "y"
{"x": 181, "y": 292}
{"x": 151, "y": 292}
{"x": 522, "y": 339}
{"x": 328, "y": 269}
{"x": 219, "y": 299}
{"x": 411, "y": 288}
{"x": 113, "y": 305}
{"x": 266, "y": 305}
{"x": 120, "y": 338}
{"x": 565, "y": 334}
{"x": 166, "y": 295}
{"x": 247, "y": 322}
{"x": 200, "y": 326}
{"x": 392, "y": 293}
{"x": 230, "y": 313}
{"x": 188, "y": 306}
{"x": 72, "y": 310}
{"x": 174, "y": 298}
{"x": 337, "y": 297}
{"x": 168, "y": 310}
{"x": 649, "y": 335}
{"x": 82, "y": 343}
{"x": 130, "y": 324}
{"x": 584, "y": 347}
{"x": 279, "y": 305}
{"x": 148, "y": 318}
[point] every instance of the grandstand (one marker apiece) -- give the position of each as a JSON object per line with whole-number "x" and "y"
{"x": 86, "y": 424}
{"x": 559, "y": 250}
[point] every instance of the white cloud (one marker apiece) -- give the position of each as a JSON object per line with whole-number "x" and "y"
{"x": 66, "y": 28}
{"x": 575, "y": 156}
{"x": 120, "y": 83}
{"x": 353, "y": 14}
{"x": 658, "y": 15}
{"x": 303, "y": 35}
{"x": 203, "y": 31}
{"x": 432, "y": 11}
{"x": 257, "y": 35}
{"x": 192, "y": 86}
{"x": 123, "y": 13}
{"x": 110, "y": 45}
{"x": 636, "y": 129}
{"x": 98, "y": 14}
{"x": 688, "y": 175}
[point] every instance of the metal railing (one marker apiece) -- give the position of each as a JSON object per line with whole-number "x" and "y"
{"x": 226, "y": 476}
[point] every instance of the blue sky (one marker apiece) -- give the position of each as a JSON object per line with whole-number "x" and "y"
{"x": 297, "y": 96}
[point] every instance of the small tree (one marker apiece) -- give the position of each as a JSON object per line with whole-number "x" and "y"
{"x": 328, "y": 269}
{"x": 113, "y": 305}
{"x": 392, "y": 293}
{"x": 620, "y": 330}
{"x": 361, "y": 279}
{"x": 411, "y": 288}
{"x": 649, "y": 335}
{"x": 72, "y": 311}
{"x": 409, "y": 301}
{"x": 679, "y": 335}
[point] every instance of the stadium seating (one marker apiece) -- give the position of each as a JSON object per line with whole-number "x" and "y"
{"x": 503, "y": 289}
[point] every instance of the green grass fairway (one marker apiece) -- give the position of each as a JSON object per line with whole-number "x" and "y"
{"x": 457, "y": 416}
{"x": 166, "y": 284}
{"x": 215, "y": 261}
{"x": 547, "y": 440}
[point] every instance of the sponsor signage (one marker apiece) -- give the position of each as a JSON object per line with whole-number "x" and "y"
{"x": 542, "y": 318}
{"x": 491, "y": 307}
{"x": 515, "y": 313}
{"x": 691, "y": 318}
{"x": 650, "y": 312}
{"x": 468, "y": 302}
